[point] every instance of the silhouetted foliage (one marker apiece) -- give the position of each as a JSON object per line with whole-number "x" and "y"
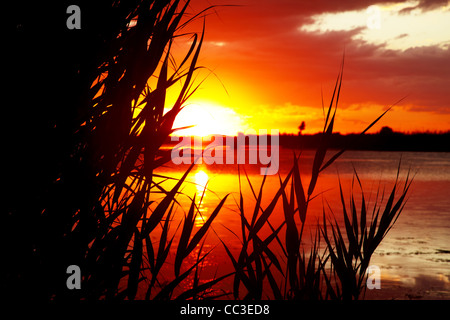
{"x": 386, "y": 131}
{"x": 301, "y": 127}
{"x": 336, "y": 272}
{"x": 86, "y": 143}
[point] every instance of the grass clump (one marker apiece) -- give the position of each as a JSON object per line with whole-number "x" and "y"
{"x": 333, "y": 267}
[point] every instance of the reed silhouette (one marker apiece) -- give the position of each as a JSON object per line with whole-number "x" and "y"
{"x": 98, "y": 135}
{"x": 335, "y": 271}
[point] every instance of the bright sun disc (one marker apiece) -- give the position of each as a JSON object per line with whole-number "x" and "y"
{"x": 207, "y": 119}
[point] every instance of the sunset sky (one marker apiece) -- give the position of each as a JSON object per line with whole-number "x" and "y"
{"x": 269, "y": 60}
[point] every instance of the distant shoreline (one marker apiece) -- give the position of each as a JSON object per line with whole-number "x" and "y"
{"x": 385, "y": 140}
{"x": 382, "y": 141}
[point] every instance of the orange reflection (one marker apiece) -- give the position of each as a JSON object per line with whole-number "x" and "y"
{"x": 201, "y": 181}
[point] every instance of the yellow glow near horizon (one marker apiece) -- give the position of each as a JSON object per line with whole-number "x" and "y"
{"x": 208, "y": 119}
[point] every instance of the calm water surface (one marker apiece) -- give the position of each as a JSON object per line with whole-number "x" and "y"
{"x": 415, "y": 255}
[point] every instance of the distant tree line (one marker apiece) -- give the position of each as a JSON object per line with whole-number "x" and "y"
{"x": 386, "y": 139}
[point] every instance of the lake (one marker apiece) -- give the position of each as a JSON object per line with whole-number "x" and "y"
{"x": 414, "y": 258}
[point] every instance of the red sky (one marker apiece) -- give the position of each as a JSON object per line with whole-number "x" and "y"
{"x": 274, "y": 57}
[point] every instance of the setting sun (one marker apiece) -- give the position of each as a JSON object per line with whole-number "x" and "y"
{"x": 207, "y": 119}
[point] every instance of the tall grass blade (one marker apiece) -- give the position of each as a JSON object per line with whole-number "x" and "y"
{"x": 204, "y": 228}
{"x": 184, "y": 238}
{"x": 299, "y": 192}
{"x": 265, "y": 215}
{"x": 135, "y": 266}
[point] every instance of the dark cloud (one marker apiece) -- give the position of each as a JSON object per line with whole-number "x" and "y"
{"x": 425, "y": 5}
{"x": 403, "y": 35}
{"x": 420, "y": 73}
{"x": 431, "y": 4}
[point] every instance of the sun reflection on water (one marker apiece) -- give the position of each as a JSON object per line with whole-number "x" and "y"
{"x": 201, "y": 181}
